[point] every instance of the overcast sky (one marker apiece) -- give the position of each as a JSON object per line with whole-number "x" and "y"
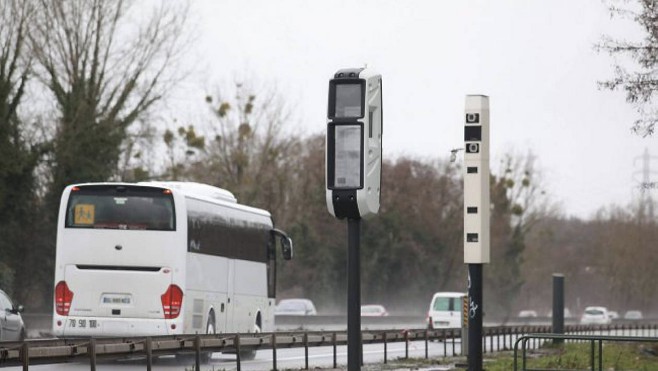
{"x": 535, "y": 59}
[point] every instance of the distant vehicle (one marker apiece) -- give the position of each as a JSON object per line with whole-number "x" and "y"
{"x": 445, "y": 310}
{"x": 373, "y": 310}
{"x": 162, "y": 258}
{"x": 527, "y": 313}
{"x": 613, "y": 315}
{"x": 295, "y": 307}
{"x": 595, "y": 316}
{"x": 633, "y": 315}
{"x": 12, "y": 327}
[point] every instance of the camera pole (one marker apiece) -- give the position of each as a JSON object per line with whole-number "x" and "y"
{"x": 475, "y": 317}
{"x": 353, "y": 175}
{"x": 353, "y": 295}
{"x": 477, "y": 208}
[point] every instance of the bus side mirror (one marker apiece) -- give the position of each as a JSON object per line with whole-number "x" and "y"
{"x": 286, "y": 247}
{"x": 286, "y": 243}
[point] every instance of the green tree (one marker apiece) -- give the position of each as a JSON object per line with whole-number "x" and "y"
{"x": 19, "y": 156}
{"x": 518, "y": 204}
{"x": 640, "y": 82}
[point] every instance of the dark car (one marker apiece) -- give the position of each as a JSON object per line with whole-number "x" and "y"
{"x": 12, "y": 327}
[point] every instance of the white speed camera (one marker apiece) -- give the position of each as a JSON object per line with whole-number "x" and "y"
{"x": 354, "y": 143}
{"x": 476, "y": 180}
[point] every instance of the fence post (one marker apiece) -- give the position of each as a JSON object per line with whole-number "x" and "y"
{"x": 385, "y": 349}
{"x": 149, "y": 353}
{"x": 333, "y": 340}
{"x": 274, "y": 351}
{"x": 406, "y": 344}
{"x": 306, "y": 350}
{"x": 426, "y": 344}
{"x": 558, "y": 306}
{"x": 92, "y": 354}
{"x": 238, "y": 361}
{"x": 25, "y": 355}
{"x": 591, "y": 355}
{"x": 197, "y": 353}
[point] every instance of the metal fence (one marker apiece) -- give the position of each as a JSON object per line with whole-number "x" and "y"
{"x": 34, "y": 352}
{"x": 595, "y": 350}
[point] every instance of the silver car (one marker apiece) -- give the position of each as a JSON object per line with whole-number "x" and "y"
{"x": 12, "y": 327}
{"x": 295, "y": 307}
{"x": 595, "y": 316}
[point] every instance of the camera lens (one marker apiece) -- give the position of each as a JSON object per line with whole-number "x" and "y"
{"x": 472, "y": 118}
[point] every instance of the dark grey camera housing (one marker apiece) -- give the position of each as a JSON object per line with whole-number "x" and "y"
{"x": 472, "y": 118}
{"x": 473, "y": 148}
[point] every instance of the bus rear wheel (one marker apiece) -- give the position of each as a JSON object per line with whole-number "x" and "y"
{"x": 249, "y": 355}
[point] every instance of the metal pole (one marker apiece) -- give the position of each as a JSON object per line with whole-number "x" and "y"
{"x": 353, "y": 295}
{"x": 475, "y": 317}
{"x": 149, "y": 353}
{"x": 25, "y": 356}
{"x": 274, "y": 351}
{"x": 197, "y": 353}
{"x": 92, "y": 354}
{"x": 558, "y": 306}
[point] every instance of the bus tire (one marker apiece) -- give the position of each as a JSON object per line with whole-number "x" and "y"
{"x": 249, "y": 355}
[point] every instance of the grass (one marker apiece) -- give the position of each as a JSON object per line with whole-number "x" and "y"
{"x": 616, "y": 357}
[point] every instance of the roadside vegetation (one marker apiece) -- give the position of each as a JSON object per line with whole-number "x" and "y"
{"x": 616, "y": 357}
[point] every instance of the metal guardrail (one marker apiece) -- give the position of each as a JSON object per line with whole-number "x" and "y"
{"x": 594, "y": 340}
{"x": 34, "y": 352}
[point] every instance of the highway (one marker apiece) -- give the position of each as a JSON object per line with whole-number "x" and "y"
{"x": 321, "y": 357}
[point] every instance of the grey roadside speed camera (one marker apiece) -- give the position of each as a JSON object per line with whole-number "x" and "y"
{"x": 354, "y": 143}
{"x": 476, "y": 180}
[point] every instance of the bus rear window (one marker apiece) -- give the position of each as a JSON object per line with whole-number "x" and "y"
{"x": 121, "y": 207}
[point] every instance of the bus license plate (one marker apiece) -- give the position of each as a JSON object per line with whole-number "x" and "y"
{"x": 82, "y": 323}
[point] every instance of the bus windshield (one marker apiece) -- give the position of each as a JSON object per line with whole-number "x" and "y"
{"x": 121, "y": 207}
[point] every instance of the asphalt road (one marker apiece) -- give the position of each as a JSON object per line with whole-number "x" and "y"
{"x": 320, "y": 357}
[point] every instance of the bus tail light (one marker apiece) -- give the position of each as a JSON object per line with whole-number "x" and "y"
{"x": 63, "y": 298}
{"x": 172, "y": 300}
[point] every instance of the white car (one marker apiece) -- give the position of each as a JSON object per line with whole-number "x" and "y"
{"x": 295, "y": 307}
{"x": 595, "y": 316}
{"x": 12, "y": 327}
{"x": 373, "y": 310}
{"x": 446, "y": 310}
{"x": 527, "y": 313}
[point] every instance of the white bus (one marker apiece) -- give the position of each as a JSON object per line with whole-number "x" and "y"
{"x": 163, "y": 258}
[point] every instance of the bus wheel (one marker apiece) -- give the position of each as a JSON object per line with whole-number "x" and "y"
{"x": 248, "y": 355}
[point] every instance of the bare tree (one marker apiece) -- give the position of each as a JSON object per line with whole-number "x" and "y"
{"x": 105, "y": 68}
{"x": 252, "y": 152}
{"x": 641, "y": 84}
